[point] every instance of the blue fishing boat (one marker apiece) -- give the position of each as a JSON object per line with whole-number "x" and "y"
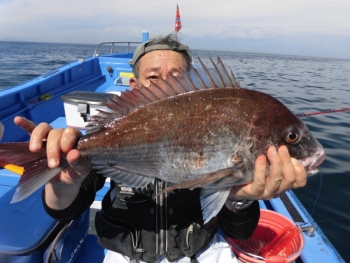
{"x": 27, "y": 233}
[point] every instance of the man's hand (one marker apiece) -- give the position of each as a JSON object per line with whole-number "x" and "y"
{"x": 61, "y": 191}
{"x": 284, "y": 173}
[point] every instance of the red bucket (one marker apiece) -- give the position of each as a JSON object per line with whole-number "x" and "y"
{"x": 275, "y": 240}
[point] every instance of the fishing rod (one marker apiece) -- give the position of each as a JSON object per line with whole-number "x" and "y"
{"x": 321, "y": 112}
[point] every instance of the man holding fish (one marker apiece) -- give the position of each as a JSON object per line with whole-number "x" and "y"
{"x": 168, "y": 226}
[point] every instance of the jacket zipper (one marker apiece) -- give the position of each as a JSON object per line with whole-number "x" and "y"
{"x": 166, "y": 218}
{"x": 161, "y": 219}
{"x": 157, "y": 215}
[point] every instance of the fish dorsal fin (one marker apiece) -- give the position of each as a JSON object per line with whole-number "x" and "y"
{"x": 196, "y": 79}
{"x": 207, "y": 73}
{"x": 215, "y": 78}
{"x": 228, "y": 81}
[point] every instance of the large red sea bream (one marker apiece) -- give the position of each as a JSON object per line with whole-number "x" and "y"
{"x": 194, "y": 130}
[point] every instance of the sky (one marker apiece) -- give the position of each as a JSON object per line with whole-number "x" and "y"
{"x": 293, "y": 27}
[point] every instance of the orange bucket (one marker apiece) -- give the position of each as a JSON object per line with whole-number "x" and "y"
{"x": 275, "y": 240}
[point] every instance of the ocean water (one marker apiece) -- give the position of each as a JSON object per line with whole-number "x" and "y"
{"x": 304, "y": 84}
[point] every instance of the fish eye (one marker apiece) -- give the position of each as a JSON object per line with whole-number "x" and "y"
{"x": 292, "y": 136}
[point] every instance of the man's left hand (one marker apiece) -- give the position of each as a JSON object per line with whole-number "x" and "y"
{"x": 284, "y": 173}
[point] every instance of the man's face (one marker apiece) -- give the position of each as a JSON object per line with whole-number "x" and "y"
{"x": 156, "y": 64}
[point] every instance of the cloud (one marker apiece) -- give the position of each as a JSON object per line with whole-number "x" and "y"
{"x": 220, "y": 21}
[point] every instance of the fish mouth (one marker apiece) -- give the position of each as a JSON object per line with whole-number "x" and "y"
{"x": 311, "y": 163}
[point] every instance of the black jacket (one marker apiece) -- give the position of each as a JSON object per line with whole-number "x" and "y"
{"x": 142, "y": 225}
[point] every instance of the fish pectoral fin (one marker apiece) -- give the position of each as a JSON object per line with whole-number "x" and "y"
{"x": 120, "y": 175}
{"x": 212, "y": 200}
{"x": 201, "y": 182}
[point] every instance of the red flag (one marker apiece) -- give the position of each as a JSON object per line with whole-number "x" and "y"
{"x": 177, "y": 19}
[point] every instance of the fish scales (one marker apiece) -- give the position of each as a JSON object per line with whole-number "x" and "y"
{"x": 183, "y": 137}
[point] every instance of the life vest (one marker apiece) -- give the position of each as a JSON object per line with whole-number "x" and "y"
{"x": 143, "y": 225}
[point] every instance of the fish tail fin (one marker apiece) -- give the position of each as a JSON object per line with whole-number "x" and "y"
{"x": 30, "y": 182}
{"x": 32, "y": 167}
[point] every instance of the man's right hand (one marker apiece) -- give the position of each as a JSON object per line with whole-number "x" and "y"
{"x": 61, "y": 191}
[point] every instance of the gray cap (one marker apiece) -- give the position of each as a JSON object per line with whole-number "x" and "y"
{"x": 143, "y": 49}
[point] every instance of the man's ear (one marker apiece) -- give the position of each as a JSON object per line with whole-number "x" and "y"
{"x": 132, "y": 83}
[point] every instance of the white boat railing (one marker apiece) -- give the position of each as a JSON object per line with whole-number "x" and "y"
{"x": 96, "y": 54}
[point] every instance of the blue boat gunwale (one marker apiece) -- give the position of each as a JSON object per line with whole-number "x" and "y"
{"x": 86, "y": 75}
